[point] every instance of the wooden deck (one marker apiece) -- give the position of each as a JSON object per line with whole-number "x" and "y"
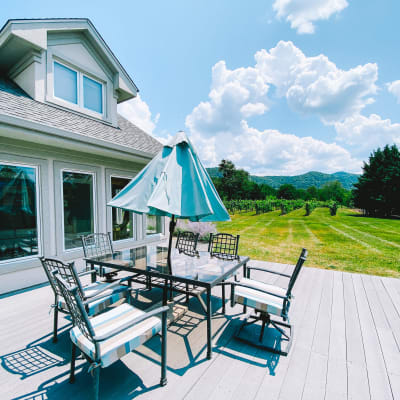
{"x": 346, "y": 346}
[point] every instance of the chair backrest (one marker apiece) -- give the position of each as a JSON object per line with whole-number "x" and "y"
{"x": 75, "y": 306}
{"x": 97, "y": 244}
{"x": 296, "y": 270}
{"x": 66, "y": 271}
{"x": 224, "y": 246}
{"x": 186, "y": 243}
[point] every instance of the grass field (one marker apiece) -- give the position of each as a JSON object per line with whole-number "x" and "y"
{"x": 347, "y": 241}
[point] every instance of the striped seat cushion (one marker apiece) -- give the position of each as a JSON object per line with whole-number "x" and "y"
{"x": 115, "y": 294}
{"x": 258, "y": 300}
{"x": 117, "y": 346}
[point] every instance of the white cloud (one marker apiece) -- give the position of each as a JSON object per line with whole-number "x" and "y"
{"x": 138, "y": 112}
{"x": 272, "y": 152}
{"x": 394, "y": 89}
{"x": 234, "y": 95}
{"x": 303, "y": 13}
{"x": 367, "y": 133}
{"x": 315, "y": 85}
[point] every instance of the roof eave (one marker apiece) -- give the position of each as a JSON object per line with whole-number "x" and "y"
{"x": 79, "y": 142}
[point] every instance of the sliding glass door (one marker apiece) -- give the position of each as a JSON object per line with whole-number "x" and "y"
{"x": 78, "y": 206}
{"x": 18, "y": 211}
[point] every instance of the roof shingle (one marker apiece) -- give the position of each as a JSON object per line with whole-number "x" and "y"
{"x": 15, "y": 102}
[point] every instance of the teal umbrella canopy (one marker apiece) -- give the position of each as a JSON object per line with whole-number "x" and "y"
{"x": 173, "y": 184}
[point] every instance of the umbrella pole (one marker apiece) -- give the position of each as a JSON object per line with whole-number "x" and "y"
{"x": 172, "y": 225}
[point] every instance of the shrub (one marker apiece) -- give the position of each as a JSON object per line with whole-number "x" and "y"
{"x": 333, "y": 207}
{"x": 202, "y": 228}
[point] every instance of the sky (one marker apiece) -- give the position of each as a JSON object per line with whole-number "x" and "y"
{"x": 279, "y": 87}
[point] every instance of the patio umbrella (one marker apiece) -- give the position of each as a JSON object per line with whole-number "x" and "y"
{"x": 174, "y": 184}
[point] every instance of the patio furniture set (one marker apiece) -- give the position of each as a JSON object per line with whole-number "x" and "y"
{"x": 176, "y": 185}
{"x": 104, "y": 334}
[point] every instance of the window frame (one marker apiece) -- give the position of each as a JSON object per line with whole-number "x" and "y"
{"x": 79, "y": 106}
{"x": 134, "y": 215}
{"x": 94, "y": 187}
{"x": 150, "y": 235}
{"x": 38, "y": 215}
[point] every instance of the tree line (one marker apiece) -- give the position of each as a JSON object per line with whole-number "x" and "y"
{"x": 377, "y": 191}
{"x": 235, "y": 184}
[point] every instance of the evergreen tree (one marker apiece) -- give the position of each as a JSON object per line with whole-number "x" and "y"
{"x": 378, "y": 188}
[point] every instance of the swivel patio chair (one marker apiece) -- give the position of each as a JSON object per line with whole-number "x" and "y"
{"x": 112, "y": 292}
{"x": 225, "y": 247}
{"x": 186, "y": 243}
{"x": 267, "y": 299}
{"x": 106, "y": 338}
{"x": 96, "y": 245}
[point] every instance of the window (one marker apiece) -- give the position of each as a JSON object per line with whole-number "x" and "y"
{"x": 76, "y": 88}
{"x": 65, "y": 83}
{"x": 122, "y": 221}
{"x": 153, "y": 224}
{"x": 78, "y": 198}
{"x": 18, "y": 212}
{"x": 92, "y": 95}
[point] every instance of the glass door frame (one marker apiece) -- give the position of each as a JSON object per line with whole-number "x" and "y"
{"x": 38, "y": 211}
{"x": 109, "y": 176}
{"x": 95, "y": 171}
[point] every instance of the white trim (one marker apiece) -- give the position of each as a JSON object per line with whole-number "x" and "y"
{"x": 134, "y": 216}
{"x": 38, "y": 213}
{"x": 80, "y": 95}
{"x": 94, "y": 201}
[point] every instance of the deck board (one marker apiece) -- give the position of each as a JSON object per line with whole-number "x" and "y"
{"x": 346, "y": 346}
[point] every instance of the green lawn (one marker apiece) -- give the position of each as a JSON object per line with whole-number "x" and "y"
{"x": 347, "y": 242}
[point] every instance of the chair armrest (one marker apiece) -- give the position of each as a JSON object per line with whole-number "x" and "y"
{"x": 257, "y": 289}
{"x": 129, "y": 324}
{"x": 108, "y": 287}
{"x": 100, "y": 291}
{"x": 269, "y": 271}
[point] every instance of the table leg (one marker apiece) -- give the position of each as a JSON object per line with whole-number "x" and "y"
{"x": 209, "y": 314}
{"x": 93, "y": 274}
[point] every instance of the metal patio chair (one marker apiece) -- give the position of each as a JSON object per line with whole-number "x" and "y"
{"x": 106, "y": 338}
{"x": 225, "y": 247}
{"x": 112, "y": 292}
{"x": 96, "y": 245}
{"x": 267, "y": 299}
{"x": 186, "y": 243}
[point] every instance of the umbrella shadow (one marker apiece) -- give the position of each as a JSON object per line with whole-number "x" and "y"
{"x": 192, "y": 353}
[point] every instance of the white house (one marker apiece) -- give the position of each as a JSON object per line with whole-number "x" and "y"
{"x": 64, "y": 149}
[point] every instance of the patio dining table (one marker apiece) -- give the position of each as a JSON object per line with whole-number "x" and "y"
{"x": 190, "y": 275}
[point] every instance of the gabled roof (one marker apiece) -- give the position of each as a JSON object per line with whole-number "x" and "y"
{"x": 16, "y": 103}
{"x": 19, "y": 36}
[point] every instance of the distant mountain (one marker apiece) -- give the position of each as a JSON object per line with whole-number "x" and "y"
{"x": 303, "y": 181}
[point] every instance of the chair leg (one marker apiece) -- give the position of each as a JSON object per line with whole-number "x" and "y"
{"x": 55, "y": 323}
{"x": 96, "y": 382}
{"x": 73, "y": 357}
{"x": 262, "y": 331}
{"x": 223, "y": 297}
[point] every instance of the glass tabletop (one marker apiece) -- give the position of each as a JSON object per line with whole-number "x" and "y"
{"x": 203, "y": 267}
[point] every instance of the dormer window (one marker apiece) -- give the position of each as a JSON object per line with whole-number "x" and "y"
{"x": 75, "y": 87}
